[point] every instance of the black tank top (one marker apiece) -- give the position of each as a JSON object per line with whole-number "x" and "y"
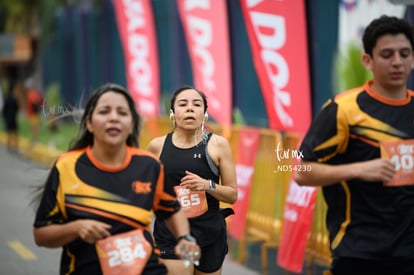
{"x": 207, "y": 227}
{"x": 195, "y": 159}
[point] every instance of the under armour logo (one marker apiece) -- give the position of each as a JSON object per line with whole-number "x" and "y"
{"x": 197, "y": 156}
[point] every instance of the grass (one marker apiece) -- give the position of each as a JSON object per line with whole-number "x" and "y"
{"x": 59, "y": 139}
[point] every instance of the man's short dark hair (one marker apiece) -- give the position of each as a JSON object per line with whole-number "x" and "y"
{"x": 386, "y": 25}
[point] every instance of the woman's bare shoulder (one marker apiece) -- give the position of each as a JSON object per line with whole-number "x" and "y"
{"x": 218, "y": 140}
{"x": 156, "y": 144}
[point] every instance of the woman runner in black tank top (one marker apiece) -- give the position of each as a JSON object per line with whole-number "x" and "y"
{"x": 200, "y": 166}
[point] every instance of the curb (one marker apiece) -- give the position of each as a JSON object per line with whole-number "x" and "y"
{"x": 36, "y": 152}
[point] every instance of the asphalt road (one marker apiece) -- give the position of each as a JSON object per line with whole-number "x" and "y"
{"x": 19, "y": 255}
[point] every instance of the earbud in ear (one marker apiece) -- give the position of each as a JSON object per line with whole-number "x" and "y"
{"x": 206, "y": 116}
{"x": 171, "y": 114}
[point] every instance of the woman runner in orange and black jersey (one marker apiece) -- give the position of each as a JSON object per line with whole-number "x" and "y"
{"x": 98, "y": 200}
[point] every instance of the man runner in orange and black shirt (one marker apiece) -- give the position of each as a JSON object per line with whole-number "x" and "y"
{"x": 356, "y": 149}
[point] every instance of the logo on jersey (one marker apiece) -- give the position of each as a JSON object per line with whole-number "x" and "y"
{"x": 197, "y": 156}
{"x": 140, "y": 187}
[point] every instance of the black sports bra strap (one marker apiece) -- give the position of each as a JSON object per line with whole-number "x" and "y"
{"x": 210, "y": 162}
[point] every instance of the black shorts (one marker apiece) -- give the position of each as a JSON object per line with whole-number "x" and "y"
{"x": 212, "y": 255}
{"x": 153, "y": 267}
{"x": 354, "y": 266}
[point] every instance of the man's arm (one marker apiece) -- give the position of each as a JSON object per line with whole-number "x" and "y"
{"x": 320, "y": 174}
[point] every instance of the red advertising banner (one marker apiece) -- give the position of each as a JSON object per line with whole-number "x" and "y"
{"x": 277, "y": 35}
{"x": 206, "y": 32}
{"x": 137, "y": 33}
{"x": 297, "y": 220}
{"x": 246, "y": 148}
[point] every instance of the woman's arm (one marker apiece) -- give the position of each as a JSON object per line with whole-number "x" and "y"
{"x": 57, "y": 235}
{"x": 220, "y": 150}
{"x": 178, "y": 225}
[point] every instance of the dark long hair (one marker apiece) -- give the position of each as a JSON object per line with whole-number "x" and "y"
{"x": 85, "y": 138}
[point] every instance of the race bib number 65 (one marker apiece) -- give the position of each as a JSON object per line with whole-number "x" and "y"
{"x": 401, "y": 154}
{"x": 194, "y": 203}
{"x": 124, "y": 254}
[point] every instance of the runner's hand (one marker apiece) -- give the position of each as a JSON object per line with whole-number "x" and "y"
{"x": 376, "y": 170}
{"x": 90, "y": 230}
{"x": 188, "y": 251}
{"x": 194, "y": 182}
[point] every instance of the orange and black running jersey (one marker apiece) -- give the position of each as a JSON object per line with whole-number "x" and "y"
{"x": 79, "y": 187}
{"x": 365, "y": 219}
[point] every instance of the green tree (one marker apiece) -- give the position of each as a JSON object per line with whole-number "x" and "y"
{"x": 20, "y": 16}
{"x": 34, "y": 18}
{"x": 349, "y": 70}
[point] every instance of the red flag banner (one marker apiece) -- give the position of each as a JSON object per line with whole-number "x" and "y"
{"x": 206, "y": 32}
{"x": 247, "y": 147}
{"x": 297, "y": 220}
{"x": 277, "y": 35}
{"x": 137, "y": 33}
